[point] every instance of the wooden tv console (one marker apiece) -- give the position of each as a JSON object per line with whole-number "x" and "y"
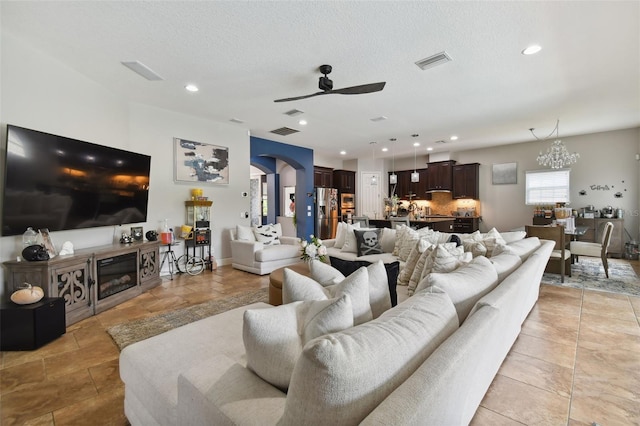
{"x": 73, "y": 277}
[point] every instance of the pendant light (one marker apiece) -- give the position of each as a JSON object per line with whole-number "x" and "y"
{"x": 374, "y": 179}
{"x": 393, "y": 177}
{"x": 415, "y": 176}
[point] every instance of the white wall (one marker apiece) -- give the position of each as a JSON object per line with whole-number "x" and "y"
{"x": 605, "y": 159}
{"x": 40, "y": 93}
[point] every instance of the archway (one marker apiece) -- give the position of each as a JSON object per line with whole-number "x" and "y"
{"x": 263, "y": 153}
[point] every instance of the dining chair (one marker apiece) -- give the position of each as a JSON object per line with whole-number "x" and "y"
{"x": 585, "y": 248}
{"x": 362, "y": 220}
{"x": 560, "y": 259}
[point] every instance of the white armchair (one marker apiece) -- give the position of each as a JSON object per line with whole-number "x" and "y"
{"x": 261, "y": 258}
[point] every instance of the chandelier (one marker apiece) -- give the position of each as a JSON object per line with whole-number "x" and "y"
{"x": 557, "y": 155}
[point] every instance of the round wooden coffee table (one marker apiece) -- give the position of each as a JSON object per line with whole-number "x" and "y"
{"x": 275, "y": 281}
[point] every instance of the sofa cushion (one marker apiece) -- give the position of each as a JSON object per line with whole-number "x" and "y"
{"x": 382, "y": 281}
{"x": 340, "y": 378}
{"x": 245, "y": 233}
{"x": 368, "y": 241}
{"x": 325, "y": 274}
{"x": 297, "y": 287}
{"x": 466, "y": 285}
{"x": 277, "y": 252}
{"x": 444, "y": 257}
{"x": 513, "y": 236}
{"x": 505, "y": 263}
{"x": 274, "y": 337}
{"x": 268, "y": 235}
{"x": 388, "y": 240}
{"x": 525, "y": 247}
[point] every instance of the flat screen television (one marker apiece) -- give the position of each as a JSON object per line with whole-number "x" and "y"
{"x": 60, "y": 183}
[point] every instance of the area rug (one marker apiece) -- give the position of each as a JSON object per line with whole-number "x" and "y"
{"x": 134, "y": 331}
{"x": 589, "y": 274}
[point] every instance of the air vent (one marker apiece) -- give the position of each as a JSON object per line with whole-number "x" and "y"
{"x": 441, "y": 141}
{"x": 294, "y": 112}
{"x": 381, "y": 118}
{"x": 236, "y": 120}
{"x": 142, "y": 70}
{"x": 284, "y": 131}
{"x": 432, "y": 61}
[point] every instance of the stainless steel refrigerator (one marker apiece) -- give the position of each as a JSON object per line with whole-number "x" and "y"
{"x": 326, "y": 215}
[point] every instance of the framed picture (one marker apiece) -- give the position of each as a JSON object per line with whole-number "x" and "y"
{"x": 289, "y": 201}
{"x": 47, "y": 243}
{"x": 200, "y": 162}
{"x": 137, "y": 233}
{"x": 504, "y": 174}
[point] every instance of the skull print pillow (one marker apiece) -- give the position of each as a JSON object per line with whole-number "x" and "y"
{"x": 368, "y": 241}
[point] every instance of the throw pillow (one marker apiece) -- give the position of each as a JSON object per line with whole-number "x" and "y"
{"x": 409, "y": 265}
{"x": 347, "y": 267}
{"x": 339, "y": 379}
{"x": 340, "y": 232}
{"x": 297, "y": 287}
{"x": 350, "y": 244}
{"x": 368, "y": 241}
{"x": 388, "y": 240}
{"x": 325, "y": 274}
{"x": 245, "y": 233}
{"x": 455, "y": 239}
{"x": 269, "y": 235}
{"x": 274, "y": 337}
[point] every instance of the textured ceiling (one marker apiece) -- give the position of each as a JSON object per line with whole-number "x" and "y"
{"x": 243, "y": 55}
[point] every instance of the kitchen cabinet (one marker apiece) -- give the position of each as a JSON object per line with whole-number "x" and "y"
{"x": 466, "y": 225}
{"x": 440, "y": 175}
{"x": 466, "y": 181}
{"x": 406, "y": 189}
{"x": 443, "y": 225}
{"x": 344, "y": 181}
{"x": 322, "y": 177}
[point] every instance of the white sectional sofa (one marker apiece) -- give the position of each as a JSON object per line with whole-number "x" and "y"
{"x": 427, "y": 361}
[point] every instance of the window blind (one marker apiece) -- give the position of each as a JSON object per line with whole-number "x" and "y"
{"x": 547, "y": 186}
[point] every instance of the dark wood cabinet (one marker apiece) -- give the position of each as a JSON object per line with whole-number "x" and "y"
{"x": 466, "y": 181}
{"x": 73, "y": 277}
{"x": 406, "y": 189}
{"x": 28, "y": 327}
{"x": 466, "y": 225}
{"x": 440, "y": 176}
{"x": 322, "y": 177}
{"x": 344, "y": 181}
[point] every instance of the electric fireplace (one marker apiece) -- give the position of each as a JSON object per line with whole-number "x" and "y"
{"x": 116, "y": 274}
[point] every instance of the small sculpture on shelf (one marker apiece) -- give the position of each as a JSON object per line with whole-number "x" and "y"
{"x": 27, "y": 294}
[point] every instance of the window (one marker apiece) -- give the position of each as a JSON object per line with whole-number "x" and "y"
{"x": 547, "y": 187}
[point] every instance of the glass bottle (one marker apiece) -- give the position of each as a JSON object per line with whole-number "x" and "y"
{"x": 30, "y": 237}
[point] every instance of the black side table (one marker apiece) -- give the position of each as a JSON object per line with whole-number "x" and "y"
{"x": 27, "y": 327}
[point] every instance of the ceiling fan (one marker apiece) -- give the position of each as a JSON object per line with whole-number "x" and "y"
{"x": 326, "y": 85}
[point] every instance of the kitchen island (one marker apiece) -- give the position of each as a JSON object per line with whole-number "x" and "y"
{"x": 437, "y": 223}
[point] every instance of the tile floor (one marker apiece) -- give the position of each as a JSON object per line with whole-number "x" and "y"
{"x": 576, "y": 361}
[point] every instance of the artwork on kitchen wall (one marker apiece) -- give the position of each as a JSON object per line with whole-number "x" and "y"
{"x": 200, "y": 162}
{"x": 505, "y": 174}
{"x": 289, "y": 201}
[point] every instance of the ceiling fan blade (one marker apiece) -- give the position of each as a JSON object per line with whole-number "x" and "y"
{"x": 357, "y": 90}
{"x": 301, "y": 97}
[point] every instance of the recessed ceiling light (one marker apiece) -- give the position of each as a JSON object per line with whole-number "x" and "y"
{"x": 191, "y": 88}
{"x": 416, "y": 144}
{"x": 385, "y": 149}
{"x": 429, "y": 149}
{"x": 454, "y": 138}
{"x": 532, "y": 50}
{"x": 302, "y": 122}
{"x": 343, "y": 152}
